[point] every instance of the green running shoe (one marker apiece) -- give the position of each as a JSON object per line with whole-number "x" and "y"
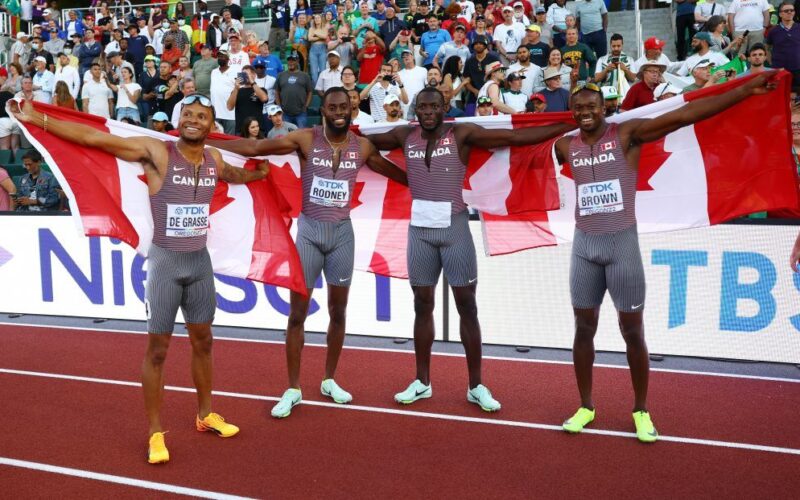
{"x": 332, "y": 390}
{"x": 577, "y": 422}
{"x": 483, "y": 398}
{"x": 645, "y": 430}
{"x": 417, "y": 390}
{"x": 289, "y": 400}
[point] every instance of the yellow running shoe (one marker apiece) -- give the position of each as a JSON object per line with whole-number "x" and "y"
{"x": 157, "y": 452}
{"x": 645, "y": 430}
{"x": 214, "y": 422}
{"x": 577, "y": 422}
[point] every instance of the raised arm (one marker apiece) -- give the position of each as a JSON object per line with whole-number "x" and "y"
{"x": 648, "y": 130}
{"x": 381, "y": 165}
{"x": 476, "y": 135}
{"x": 290, "y": 143}
{"x": 236, "y": 175}
{"x": 134, "y": 149}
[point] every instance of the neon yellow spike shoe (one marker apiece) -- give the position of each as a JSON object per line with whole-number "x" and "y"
{"x": 582, "y": 418}
{"x": 157, "y": 452}
{"x": 645, "y": 430}
{"x": 215, "y": 423}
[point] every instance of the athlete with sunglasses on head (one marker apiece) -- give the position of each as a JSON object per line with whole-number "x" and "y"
{"x": 181, "y": 178}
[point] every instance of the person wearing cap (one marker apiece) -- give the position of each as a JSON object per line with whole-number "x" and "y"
{"x": 475, "y": 71}
{"x": 87, "y": 52}
{"x": 484, "y": 106}
{"x": 293, "y": 91}
{"x": 701, "y": 43}
{"x": 495, "y": 74}
{"x": 557, "y": 18}
{"x": 414, "y": 77}
{"x": 432, "y": 39}
{"x": 530, "y": 72}
{"x": 508, "y": 36}
{"x": 537, "y": 49}
{"x": 546, "y": 31}
{"x": 654, "y": 51}
{"x": 136, "y": 45}
{"x": 391, "y": 27}
{"x": 55, "y": 43}
{"x": 578, "y": 55}
{"x": 611, "y": 100}
{"x": 267, "y": 83}
{"x": 784, "y": 40}
{"x": 703, "y": 77}
{"x": 481, "y": 29}
{"x": 556, "y": 96}
{"x": 641, "y": 93}
{"x": 44, "y": 81}
{"x": 665, "y": 91}
{"x": 271, "y": 62}
{"x": 751, "y": 16}
{"x": 439, "y": 238}
{"x": 149, "y": 79}
{"x": 536, "y": 104}
{"x": 614, "y": 64}
{"x": 401, "y": 43}
{"x": 68, "y": 74}
{"x": 607, "y": 154}
{"x": 419, "y": 22}
{"x": 592, "y": 17}
{"x": 215, "y": 37}
{"x": 237, "y": 58}
{"x": 519, "y": 13}
{"x": 391, "y": 110}
{"x": 456, "y": 47}
{"x": 21, "y": 49}
{"x": 330, "y": 76}
{"x": 513, "y": 96}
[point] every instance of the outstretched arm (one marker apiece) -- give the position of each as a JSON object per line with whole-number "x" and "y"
{"x": 498, "y": 138}
{"x": 654, "y": 129}
{"x": 134, "y": 149}
{"x": 236, "y": 175}
{"x": 381, "y": 165}
{"x": 795, "y": 257}
{"x": 290, "y": 143}
{"x": 392, "y": 139}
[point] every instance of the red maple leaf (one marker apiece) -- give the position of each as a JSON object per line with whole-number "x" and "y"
{"x": 355, "y": 201}
{"x": 221, "y": 198}
{"x": 477, "y": 158}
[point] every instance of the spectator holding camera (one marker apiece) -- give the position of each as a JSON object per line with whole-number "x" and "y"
{"x": 609, "y": 64}
{"x": 383, "y": 84}
{"x": 344, "y": 44}
{"x": 247, "y": 99}
{"x": 370, "y": 57}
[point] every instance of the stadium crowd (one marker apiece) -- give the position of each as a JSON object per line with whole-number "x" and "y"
{"x": 136, "y": 64}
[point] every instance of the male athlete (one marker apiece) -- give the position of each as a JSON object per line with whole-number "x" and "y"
{"x": 605, "y": 251}
{"x": 330, "y": 157}
{"x": 439, "y": 238}
{"x": 181, "y": 178}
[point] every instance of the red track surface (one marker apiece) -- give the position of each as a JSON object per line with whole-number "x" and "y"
{"x": 338, "y": 453}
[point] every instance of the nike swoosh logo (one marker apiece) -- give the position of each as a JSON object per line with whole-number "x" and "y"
{"x": 576, "y": 153}
{"x": 473, "y": 280}
{"x": 654, "y": 433}
{"x": 318, "y": 150}
{"x": 344, "y": 279}
{"x": 637, "y": 307}
{"x": 423, "y": 392}
{"x": 178, "y": 169}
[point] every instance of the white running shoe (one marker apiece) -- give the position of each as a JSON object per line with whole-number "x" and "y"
{"x": 416, "y": 391}
{"x": 289, "y": 400}
{"x": 332, "y": 390}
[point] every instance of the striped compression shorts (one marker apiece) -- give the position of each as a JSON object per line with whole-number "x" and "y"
{"x": 610, "y": 262}
{"x": 431, "y": 250}
{"x": 178, "y": 279}
{"x": 328, "y": 246}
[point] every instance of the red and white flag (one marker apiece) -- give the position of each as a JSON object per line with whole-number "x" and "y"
{"x": 733, "y": 164}
{"x": 249, "y": 234}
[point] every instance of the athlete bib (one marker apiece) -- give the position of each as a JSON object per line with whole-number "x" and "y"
{"x": 426, "y": 213}
{"x": 185, "y": 221}
{"x": 603, "y": 197}
{"x": 329, "y": 192}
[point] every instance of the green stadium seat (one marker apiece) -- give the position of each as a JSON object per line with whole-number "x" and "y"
{"x": 20, "y": 153}
{"x": 6, "y": 156}
{"x": 15, "y": 170}
{"x": 313, "y": 120}
{"x": 251, "y": 12}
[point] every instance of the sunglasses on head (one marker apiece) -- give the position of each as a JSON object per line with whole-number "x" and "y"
{"x": 199, "y": 98}
{"x": 586, "y": 86}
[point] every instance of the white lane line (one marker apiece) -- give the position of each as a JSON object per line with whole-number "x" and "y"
{"x": 445, "y": 354}
{"x": 411, "y": 413}
{"x": 108, "y": 478}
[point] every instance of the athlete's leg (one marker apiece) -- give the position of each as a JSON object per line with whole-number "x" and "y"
{"x": 338, "y": 267}
{"x": 337, "y": 311}
{"x": 583, "y": 352}
{"x": 202, "y": 366}
{"x": 632, "y": 327}
{"x": 295, "y": 337}
{"x": 423, "y": 330}
{"x": 153, "y": 378}
{"x": 470, "y": 330}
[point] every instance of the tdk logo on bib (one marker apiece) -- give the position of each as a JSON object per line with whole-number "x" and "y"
{"x": 191, "y": 210}
{"x": 598, "y": 188}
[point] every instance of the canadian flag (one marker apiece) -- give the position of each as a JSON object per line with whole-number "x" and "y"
{"x": 249, "y": 233}
{"x": 733, "y": 164}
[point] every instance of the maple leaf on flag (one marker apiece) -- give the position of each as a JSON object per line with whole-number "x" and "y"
{"x": 477, "y": 158}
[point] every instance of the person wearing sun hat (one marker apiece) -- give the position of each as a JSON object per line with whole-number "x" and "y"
{"x": 666, "y": 90}
{"x": 495, "y": 74}
{"x": 641, "y": 93}
{"x": 557, "y": 97}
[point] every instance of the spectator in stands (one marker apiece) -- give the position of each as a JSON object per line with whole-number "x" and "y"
{"x": 167, "y": 95}
{"x": 704, "y": 11}
{"x": 8, "y": 192}
{"x": 784, "y": 39}
{"x": 513, "y": 96}
{"x": 38, "y": 50}
{"x": 363, "y": 25}
{"x": 751, "y": 16}
{"x": 641, "y": 93}
{"x": 665, "y": 91}
{"x": 235, "y": 10}
{"x": 222, "y": 83}
{"x": 684, "y": 20}
{"x": 157, "y": 27}
{"x": 252, "y": 45}
{"x": 96, "y": 96}
{"x": 578, "y": 55}
{"x": 267, "y": 83}
{"x": 44, "y": 81}
{"x": 186, "y": 87}
{"x": 279, "y": 127}
{"x": 281, "y": 24}
{"x": 128, "y": 94}
{"x": 756, "y": 59}
{"x": 237, "y": 58}
{"x": 610, "y": 100}
{"x": 301, "y": 8}
{"x": 357, "y": 117}
{"x": 348, "y": 78}
{"x": 251, "y": 129}
{"x": 161, "y": 123}
{"x": 557, "y": 21}
{"x": 116, "y": 63}
{"x": 536, "y": 47}
{"x": 555, "y": 95}
{"x": 330, "y": 6}
{"x": 701, "y": 72}
{"x": 531, "y": 73}
{"x": 701, "y": 43}
{"x": 414, "y": 77}
{"x": 653, "y": 51}
{"x": 495, "y": 74}
{"x": 592, "y": 17}
{"x": 21, "y": 49}
{"x": 610, "y": 66}
{"x": 87, "y": 52}
{"x": 298, "y": 37}
{"x": 715, "y": 26}
{"x": 536, "y": 104}
{"x": 370, "y": 57}
{"x": 508, "y": 36}
{"x": 55, "y": 43}
{"x": 331, "y": 76}
{"x": 484, "y": 106}
{"x": 434, "y": 77}
{"x": 229, "y": 23}
{"x": 27, "y": 89}
{"x": 184, "y": 69}
{"x": 271, "y": 62}
{"x": 419, "y": 21}
{"x": 37, "y": 189}
{"x": 432, "y": 39}
{"x": 475, "y": 71}
{"x": 215, "y": 37}
{"x": 455, "y": 47}
{"x": 453, "y": 80}
{"x": 202, "y": 69}
{"x": 293, "y": 91}
{"x": 481, "y": 30}
{"x": 74, "y": 24}
{"x": 9, "y": 131}
{"x": 545, "y": 30}
{"x": 318, "y": 46}
{"x": 384, "y": 83}
{"x": 392, "y": 112}
{"x": 391, "y": 27}
{"x": 400, "y": 44}
{"x": 149, "y": 79}
{"x": 519, "y": 14}
{"x": 13, "y": 83}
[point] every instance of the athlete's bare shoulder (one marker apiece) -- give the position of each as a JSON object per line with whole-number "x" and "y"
{"x": 562, "y": 147}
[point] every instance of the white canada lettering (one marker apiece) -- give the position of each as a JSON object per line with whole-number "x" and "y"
{"x": 322, "y": 162}
{"x": 594, "y": 160}
{"x": 436, "y": 152}
{"x": 189, "y": 181}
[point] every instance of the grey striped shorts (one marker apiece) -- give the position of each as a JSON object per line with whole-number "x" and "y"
{"x": 328, "y": 246}
{"x": 610, "y": 262}
{"x": 431, "y": 250}
{"x": 178, "y": 279}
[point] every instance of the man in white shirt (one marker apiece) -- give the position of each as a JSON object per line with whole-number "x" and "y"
{"x": 97, "y": 97}
{"x": 508, "y": 36}
{"x": 519, "y": 14}
{"x": 750, "y": 16}
{"x": 392, "y": 110}
{"x": 705, "y": 10}
{"x": 654, "y": 51}
{"x": 222, "y": 83}
{"x": 524, "y": 68}
{"x": 514, "y": 97}
{"x": 330, "y": 76}
{"x": 467, "y": 9}
{"x": 357, "y": 117}
{"x": 700, "y": 44}
{"x": 382, "y": 85}
{"x": 68, "y": 74}
{"x": 237, "y": 58}
{"x": 44, "y": 82}
{"x": 187, "y": 88}
{"x": 21, "y": 49}
{"x": 413, "y": 77}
